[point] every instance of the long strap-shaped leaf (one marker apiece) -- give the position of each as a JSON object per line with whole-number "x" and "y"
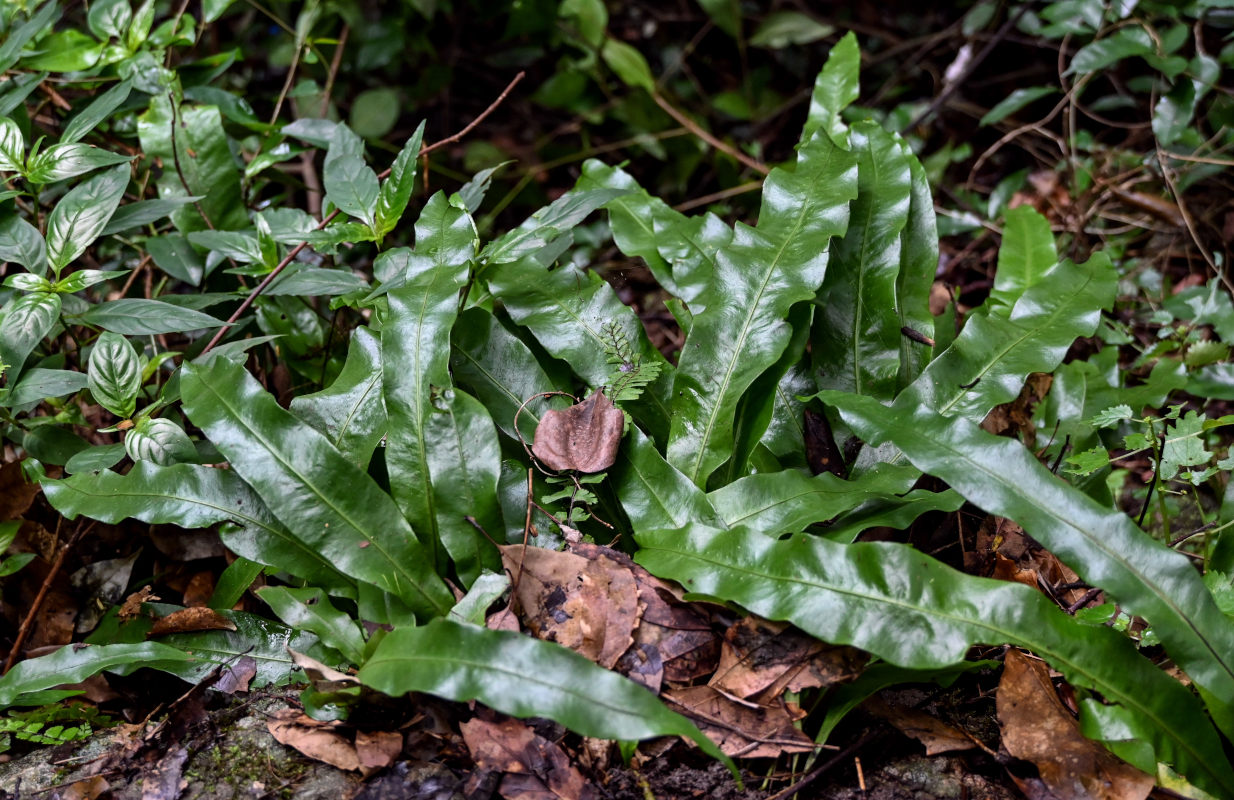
{"x": 913, "y": 611}
{"x": 312, "y": 488}
{"x": 1103, "y": 546}
{"x": 73, "y": 664}
{"x": 523, "y": 677}
{"x": 350, "y": 412}
{"x": 196, "y": 497}
{"x": 765, "y": 270}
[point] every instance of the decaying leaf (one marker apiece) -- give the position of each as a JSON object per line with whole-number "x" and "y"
{"x": 532, "y": 767}
{"x": 1038, "y": 728}
{"x": 760, "y": 657}
{"x": 742, "y": 729}
{"x": 936, "y": 735}
{"x": 189, "y": 620}
{"x": 320, "y": 741}
{"x": 16, "y": 494}
{"x": 583, "y": 437}
{"x": 131, "y": 609}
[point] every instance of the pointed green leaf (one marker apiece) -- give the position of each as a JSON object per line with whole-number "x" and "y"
{"x": 310, "y": 610}
{"x": 857, "y": 338}
{"x": 134, "y": 316}
{"x": 652, "y": 492}
{"x": 918, "y": 264}
{"x": 742, "y": 330}
{"x": 79, "y": 216}
{"x": 523, "y": 677}
{"x": 21, "y": 243}
{"x": 1102, "y": 545}
{"x": 38, "y": 21}
{"x": 74, "y": 663}
{"x": 85, "y": 278}
{"x": 68, "y": 160}
{"x": 316, "y": 282}
{"x": 913, "y": 611}
{"x": 26, "y": 321}
{"x": 350, "y": 413}
{"x": 351, "y": 185}
{"x": 1014, "y": 102}
{"x": 1025, "y": 256}
{"x": 629, "y": 64}
{"x": 835, "y": 88}
{"x": 196, "y": 497}
{"x": 396, "y": 190}
{"x": 115, "y": 374}
{"x": 331, "y": 504}
{"x": 547, "y": 224}
{"x": 239, "y": 245}
{"x": 133, "y": 215}
{"x": 40, "y": 384}
{"x": 100, "y": 108}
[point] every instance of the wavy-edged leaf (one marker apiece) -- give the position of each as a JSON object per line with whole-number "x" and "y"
{"x": 73, "y": 664}
{"x": 565, "y": 309}
{"x": 785, "y": 434}
{"x": 1102, "y": 545}
{"x": 987, "y": 363}
{"x": 351, "y": 412}
{"x": 395, "y": 192}
{"x": 1026, "y": 254}
{"x": 25, "y": 322}
{"x": 759, "y": 276}
{"x": 192, "y": 496}
{"x": 653, "y": 492}
{"x": 309, "y": 610}
{"x": 502, "y": 372}
{"x": 523, "y": 677}
{"x": 856, "y": 343}
{"x": 547, "y": 224}
{"x": 312, "y": 488}
{"x": 918, "y": 264}
{"x": 79, "y": 216}
{"x": 415, "y": 356}
{"x": 834, "y": 89}
{"x": 788, "y": 501}
{"x": 913, "y": 611}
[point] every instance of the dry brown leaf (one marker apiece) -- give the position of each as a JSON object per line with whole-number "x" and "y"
{"x": 320, "y": 741}
{"x": 534, "y": 767}
{"x": 741, "y": 729}
{"x": 16, "y": 495}
{"x": 583, "y": 437}
{"x": 190, "y": 620}
{"x": 760, "y": 657}
{"x": 131, "y": 609}
{"x": 589, "y": 605}
{"x": 936, "y": 735}
{"x": 1038, "y": 728}
{"x": 164, "y": 779}
{"x": 377, "y": 750}
{"x": 236, "y": 677}
{"x": 86, "y": 789}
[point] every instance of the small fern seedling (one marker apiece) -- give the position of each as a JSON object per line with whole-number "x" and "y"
{"x": 631, "y": 374}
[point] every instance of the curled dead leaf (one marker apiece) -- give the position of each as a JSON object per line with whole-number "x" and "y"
{"x": 583, "y": 437}
{"x": 191, "y": 620}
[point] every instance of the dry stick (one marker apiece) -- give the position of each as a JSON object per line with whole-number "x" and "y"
{"x": 28, "y": 622}
{"x": 295, "y": 251}
{"x": 723, "y": 194}
{"x": 1188, "y": 220}
{"x": 820, "y": 770}
{"x": 694, "y": 128}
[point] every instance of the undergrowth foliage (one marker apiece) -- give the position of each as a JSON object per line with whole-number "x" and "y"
{"x": 371, "y": 499}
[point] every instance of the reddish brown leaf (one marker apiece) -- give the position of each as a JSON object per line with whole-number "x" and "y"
{"x": 189, "y": 620}
{"x": 377, "y": 750}
{"x": 741, "y": 729}
{"x": 583, "y": 437}
{"x": 760, "y": 657}
{"x": 131, "y": 609}
{"x": 534, "y": 767}
{"x": 936, "y": 735}
{"x": 320, "y": 741}
{"x": 1038, "y": 728}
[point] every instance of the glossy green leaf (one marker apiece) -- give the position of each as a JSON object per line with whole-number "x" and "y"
{"x": 39, "y": 384}
{"x": 566, "y": 310}
{"x": 835, "y": 88}
{"x": 890, "y": 511}
{"x": 196, "y": 497}
{"x": 114, "y": 374}
{"x": 653, "y": 493}
{"x": 109, "y": 18}
{"x": 445, "y": 239}
{"x": 26, "y": 282}
{"x": 310, "y": 610}
{"x": 1027, "y": 253}
{"x": 1132, "y": 40}
{"x": 21, "y": 243}
{"x": 133, "y": 215}
{"x": 350, "y": 413}
{"x": 742, "y": 330}
{"x": 989, "y": 360}
{"x": 501, "y": 371}
{"x": 52, "y": 444}
{"x": 202, "y": 155}
{"x": 160, "y": 440}
{"x": 330, "y": 503}
{"x": 1015, "y": 101}
{"x": 95, "y": 459}
{"x": 241, "y": 246}
{"x": 27, "y": 319}
{"x": 85, "y": 278}
{"x": 68, "y": 160}
{"x": 12, "y": 147}
{"x": 396, "y": 190}
{"x": 233, "y": 582}
{"x": 546, "y": 225}
{"x": 1102, "y": 545}
{"x": 316, "y": 282}
{"x": 134, "y": 316}
{"x": 918, "y": 265}
{"x": 79, "y": 216}
{"x": 523, "y": 677}
{"x": 785, "y": 434}
{"x": 628, "y": 63}
{"x": 74, "y": 663}
{"x": 415, "y": 356}
{"x": 913, "y": 611}
{"x": 484, "y": 591}
{"x": 464, "y": 459}
{"x": 786, "y": 502}
{"x": 175, "y": 256}
{"x": 856, "y": 342}
{"x": 10, "y": 49}
{"x": 100, "y": 108}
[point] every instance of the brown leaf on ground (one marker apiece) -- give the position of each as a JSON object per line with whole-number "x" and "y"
{"x": 131, "y": 609}
{"x": 589, "y": 605}
{"x": 534, "y": 768}
{"x": 1018, "y": 414}
{"x": 191, "y": 620}
{"x": 741, "y": 729}
{"x": 236, "y": 677}
{"x": 377, "y": 750}
{"x": 86, "y": 789}
{"x": 760, "y": 657}
{"x": 936, "y": 735}
{"x": 320, "y": 741}
{"x": 1038, "y": 728}
{"x": 16, "y": 495}
{"x": 164, "y": 779}
{"x": 583, "y": 437}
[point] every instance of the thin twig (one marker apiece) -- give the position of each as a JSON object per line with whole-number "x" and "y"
{"x": 822, "y": 768}
{"x": 28, "y": 622}
{"x": 333, "y": 73}
{"x": 1189, "y": 220}
{"x": 723, "y": 194}
{"x": 694, "y": 128}
{"x": 295, "y": 251}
